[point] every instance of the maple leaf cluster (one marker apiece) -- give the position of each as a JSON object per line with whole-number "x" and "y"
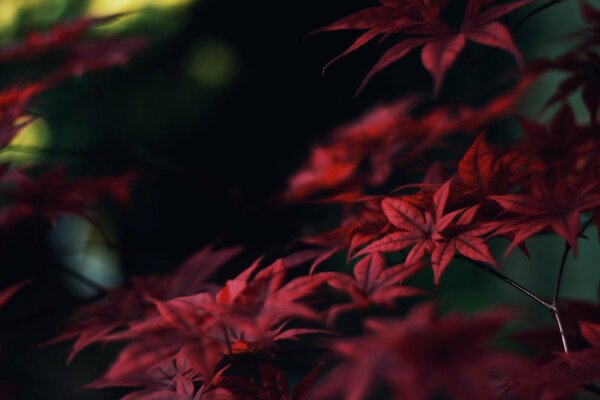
{"x": 51, "y": 193}
{"x": 42, "y": 191}
{"x": 45, "y": 191}
{"x": 422, "y": 25}
{"x": 203, "y": 333}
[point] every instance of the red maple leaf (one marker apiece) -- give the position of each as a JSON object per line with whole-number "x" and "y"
{"x": 583, "y": 66}
{"x": 465, "y": 238}
{"x": 554, "y": 204}
{"x": 442, "y": 43}
{"x": 52, "y": 194}
{"x": 62, "y": 36}
{"x": 433, "y": 232}
{"x": 416, "y": 228}
{"x": 172, "y": 379}
{"x": 127, "y": 306}
{"x": 13, "y": 110}
{"x": 423, "y": 356}
{"x": 481, "y": 172}
{"x": 270, "y": 384}
{"x": 372, "y": 284}
{"x": 367, "y": 152}
{"x": 247, "y": 315}
{"x": 374, "y": 139}
{"x": 260, "y": 301}
{"x": 363, "y": 222}
{"x": 564, "y": 376}
{"x": 99, "y": 54}
{"x": 563, "y": 146}
{"x": 583, "y": 70}
{"x": 7, "y": 293}
{"x": 592, "y": 16}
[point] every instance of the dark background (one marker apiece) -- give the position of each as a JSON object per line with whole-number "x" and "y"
{"x": 213, "y": 155}
{"x": 213, "y": 159}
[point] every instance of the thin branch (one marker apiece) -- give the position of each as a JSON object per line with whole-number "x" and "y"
{"x": 563, "y": 262}
{"x": 511, "y": 282}
{"x": 555, "y": 298}
{"x": 561, "y": 328}
{"x": 516, "y": 27}
{"x": 534, "y": 12}
{"x": 105, "y": 236}
{"x": 561, "y": 269}
{"x": 554, "y": 310}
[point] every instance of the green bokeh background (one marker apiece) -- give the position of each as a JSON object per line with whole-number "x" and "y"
{"x": 217, "y": 118}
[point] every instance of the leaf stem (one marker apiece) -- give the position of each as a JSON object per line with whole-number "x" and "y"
{"x": 551, "y": 307}
{"x": 554, "y": 309}
{"x": 511, "y": 282}
{"x": 561, "y": 269}
{"x": 516, "y": 27}
{"x": 534, "y": 12}
{"x": 561, "y": 328}
{"x": 555, "y": 298}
